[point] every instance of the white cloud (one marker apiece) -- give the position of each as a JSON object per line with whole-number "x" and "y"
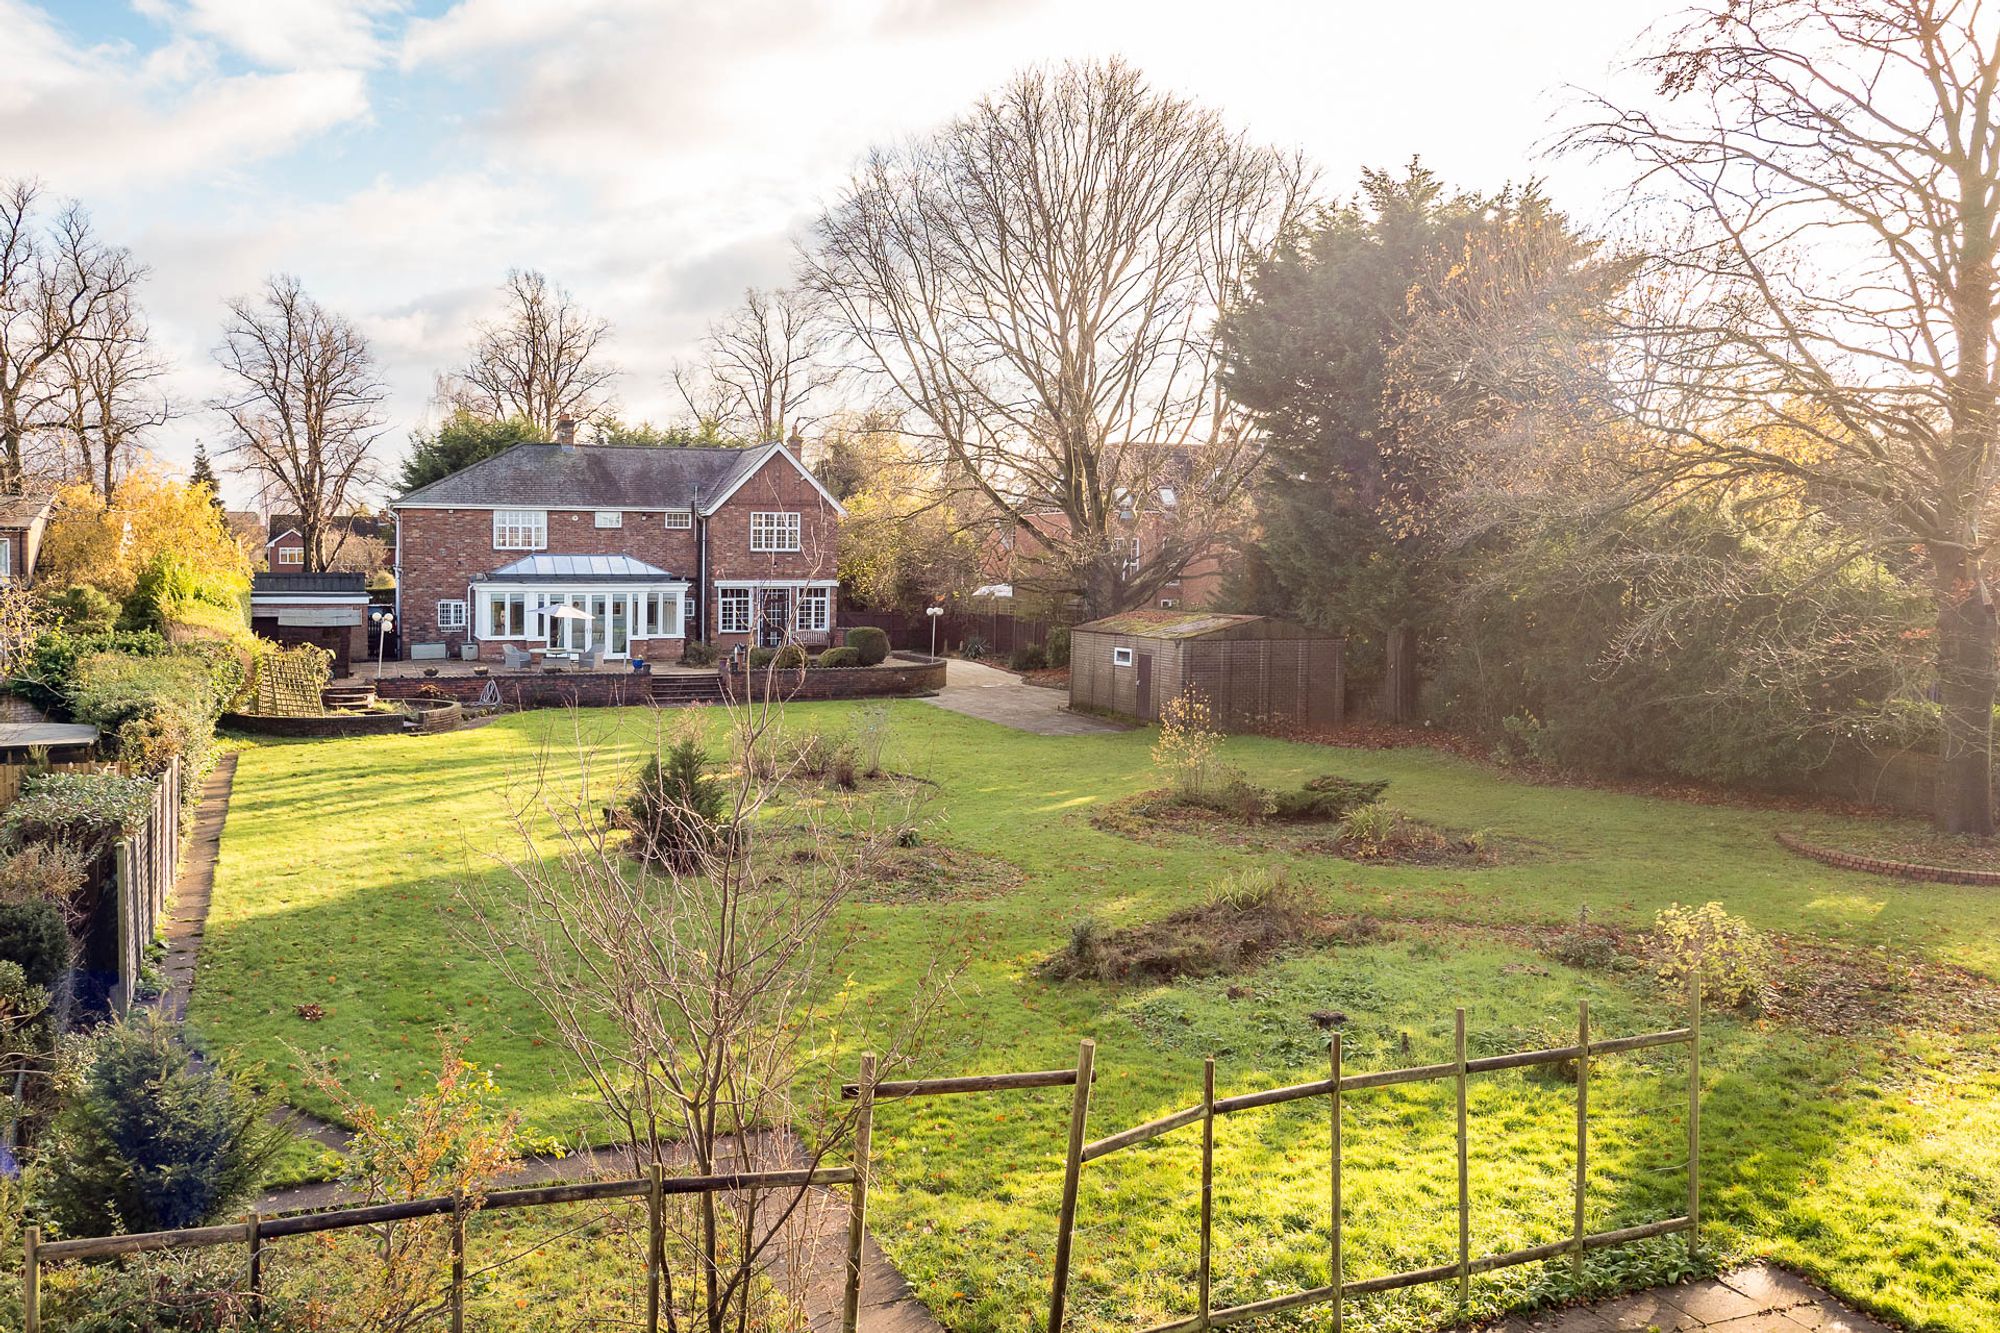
{"x": 284, "y": 34}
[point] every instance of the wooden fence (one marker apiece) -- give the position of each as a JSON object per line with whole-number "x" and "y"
{"x": 144, "y": 865}
{"x": 256, "y": 1233}
{"x": 13, "y": 775}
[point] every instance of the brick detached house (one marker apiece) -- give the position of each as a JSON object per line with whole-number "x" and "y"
{"x": 646, "y": 547}
{"x": 23, "y": 518}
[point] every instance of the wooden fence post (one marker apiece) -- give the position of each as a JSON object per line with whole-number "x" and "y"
{"x": 1464, "y": 1178}
{"x": 655, "y": 1242}
{"x": 457, "y": 1262}
{"x": 31, "y": 1281}
{"x": 1582, "y": 1131}
{"x": 1203, "y": 1279}
{"x": 857, "y": 1207}
{"x": 1079, "y": 1117}
{"x": 254, "y": 1234}
{"x": 1694, "y": 1110}
{"x": 1338, "y": 1267}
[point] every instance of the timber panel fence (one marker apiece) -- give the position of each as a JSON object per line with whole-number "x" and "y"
{"x": 145, "y": 861}
{"x": 256, "y": 1233}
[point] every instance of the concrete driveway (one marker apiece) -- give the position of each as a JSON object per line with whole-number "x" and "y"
{"x": 992, "y": 695}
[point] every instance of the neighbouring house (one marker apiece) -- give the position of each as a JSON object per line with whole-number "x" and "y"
{"x": 330, "y": 610}
{"x": 630, "y": 550}
{"x": 348, "y": 542}
{"x": 23, "y": 518}
{"x": 247, "y": 527}
{"x": 1252, "y": 670}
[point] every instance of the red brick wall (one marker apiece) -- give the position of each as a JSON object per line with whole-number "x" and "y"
{"x": 442, "y": 549}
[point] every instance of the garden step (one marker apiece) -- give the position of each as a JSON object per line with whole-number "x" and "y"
{"x": 680, "y": 689}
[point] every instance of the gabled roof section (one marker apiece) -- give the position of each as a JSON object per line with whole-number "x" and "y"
{"x": 750, "y": 467}
{"x": 21, "y": 511}
{"x": 587, "y": 476}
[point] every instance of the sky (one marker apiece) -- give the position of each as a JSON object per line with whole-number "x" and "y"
{"x": 657, "y": 157}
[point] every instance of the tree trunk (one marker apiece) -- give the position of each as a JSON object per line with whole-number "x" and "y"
{"x": 1967, "y": 677}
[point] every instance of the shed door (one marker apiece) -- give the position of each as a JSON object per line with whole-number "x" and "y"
{"x": 1143, "y": 662}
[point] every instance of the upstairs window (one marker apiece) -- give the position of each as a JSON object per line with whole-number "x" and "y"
{"x": 774, "y": 531}
{"x": 680, "y": 519}
{"x": 610, "y": 518}
{"x": 291, "y": 555}
{"x": 520, "y": 529}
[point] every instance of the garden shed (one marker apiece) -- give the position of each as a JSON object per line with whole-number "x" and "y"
{"x": 1252, "y": 669}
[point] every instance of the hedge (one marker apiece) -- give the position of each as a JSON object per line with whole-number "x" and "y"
{"x": 83, "y": 809}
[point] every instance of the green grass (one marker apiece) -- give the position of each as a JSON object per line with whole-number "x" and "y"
{"x": 1863, "y": 1157}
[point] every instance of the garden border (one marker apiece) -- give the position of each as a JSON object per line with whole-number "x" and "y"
{"x": 1876, "y": 865}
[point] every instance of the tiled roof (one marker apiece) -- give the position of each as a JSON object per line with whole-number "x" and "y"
{"x": 1166, "y": 624}
{"x": 18, "y": 511}
{"x": 588, "y": 476}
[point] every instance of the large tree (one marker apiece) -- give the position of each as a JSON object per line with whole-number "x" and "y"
{"x": 1307, "y": 356}
{"x": 1036, "y": 285}
{"x": 303, "y": 407}
{"x": 762, "y": 367}
{"x": 109, "y": 395}
{"x": 57, "y": 279}
{"x": 1828, "y": 330}
{"x": 462, "y": 439}
{"x": 540, "y": 361}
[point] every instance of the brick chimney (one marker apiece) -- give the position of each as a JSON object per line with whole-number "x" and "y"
{"x": 566, "y": 432}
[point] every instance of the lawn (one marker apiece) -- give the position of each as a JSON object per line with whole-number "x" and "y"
{"x": 1857, "y": 1149}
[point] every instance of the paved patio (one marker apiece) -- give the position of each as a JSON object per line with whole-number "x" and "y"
{"x": 1757, "y": 1299}
{"x": 992, "y": 695}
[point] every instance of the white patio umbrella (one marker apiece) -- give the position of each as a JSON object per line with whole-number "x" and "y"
{"x": 563, "y": 612}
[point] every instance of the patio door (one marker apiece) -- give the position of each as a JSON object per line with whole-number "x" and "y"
{"x": 621, "y": 626}
{"x": 776, "y": 617}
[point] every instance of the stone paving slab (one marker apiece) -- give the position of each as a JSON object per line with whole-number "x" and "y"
{"x": 992, "y": 695}
{"x": 1757, "y": 1299}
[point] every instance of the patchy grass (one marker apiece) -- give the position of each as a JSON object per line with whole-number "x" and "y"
{"x": 1393, "y": 836}
{"x": 1857, "y": 1148}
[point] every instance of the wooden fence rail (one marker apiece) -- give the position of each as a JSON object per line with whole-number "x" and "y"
{"x": 145, "y": 861}
{"x": 256, "y": 1232}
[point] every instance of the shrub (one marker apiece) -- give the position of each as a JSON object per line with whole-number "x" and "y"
{"x": 1244, "y": 920}
{"x": 160, "y": 707}
{"x": 1058, "y": 646}
{"x": 676, "y": 809}
{"x": 871, "y": 643}
{"x": 1368, "y": 830}
{"x": 43, "y": 872}
{"x": 1734, "y": 960}
{"x": 839, "y": 657}
{"x": 1188, "y": 742}
{"x": 791, "y": 657}
{"x": 1030, "y": 657}
{"x": 84, "y": 609}
{"x": 871, "y": 734}
{"x": 83, "y": 810}
{"x": 152, "y": 1140}
{"x": 45, "y": 672}
{"x": 812, "y": 754}
{"x": 846, "y": 769}
{"x": 698, "y": 653}
{"x": 974, "y": 648}
{"x": 28, "y": 1023}
{"x": 759, "y": 658}
{"x": 35, "y": 938}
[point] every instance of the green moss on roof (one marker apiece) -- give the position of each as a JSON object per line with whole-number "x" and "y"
{"x": 1164, "y": 624}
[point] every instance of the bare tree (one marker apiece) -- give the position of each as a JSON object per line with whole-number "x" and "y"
{"x": 55, "y": 283}
{"x": 1038, "y": 283}
{"x": 687, "y": 954}
{"x": 304, "y": 408}
{"x": 108, "y": 390}
{"x": 539, "y": 361}
{"x": 762, "y": 365}
{"x": 1829, "y": 327}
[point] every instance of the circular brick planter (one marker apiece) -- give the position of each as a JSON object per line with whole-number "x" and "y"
{"x": 1875, "y": 865}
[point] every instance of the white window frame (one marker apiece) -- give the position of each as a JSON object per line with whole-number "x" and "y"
{"x": 727, "y": 621}
{"x": 813, "y": 608}
{"x": 774, "y": 530}
{"x": 610, "y": 518}
{"x": 6, "y": 557}
{"x": 1170, "y": 603}
{"x": 520, "y": 529}
{"x": 678, "y": 520}
{"x": 687, "y": 614}
{"x": 509, "y": 603}
{"x": 291, "y": 555}
{"x": 1121, "y": 657}
{"x": 451, "y": 614}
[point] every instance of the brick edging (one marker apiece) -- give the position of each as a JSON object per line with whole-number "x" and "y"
{"x": 1875, "y": 865}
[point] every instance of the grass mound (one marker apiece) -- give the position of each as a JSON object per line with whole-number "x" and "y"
{"x": 1240, "y": 925}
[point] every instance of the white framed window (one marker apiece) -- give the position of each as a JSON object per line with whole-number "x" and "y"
{"x": 451, "y": 613}
{"x": 291, "y": 555}
{"x": 815, "y": 608}
{"x": 520, "y": 529}
{"x": 771, "y": 531}
{"x": 687, "y": 617}
{"x": 732, "y": 611}
{"x": 1169, "y": 603}
{"x": 680, "y": 519}
{"x": 610, "y": 518}
{"x": 6, "y": 557}
{"x": 506, "y": 615}
{"x": 1121, "y": 657}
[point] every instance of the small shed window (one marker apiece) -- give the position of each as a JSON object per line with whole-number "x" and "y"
{"x": 1121, "y": 657}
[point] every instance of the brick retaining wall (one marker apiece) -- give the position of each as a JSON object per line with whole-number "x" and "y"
{"x": 904, "y": 675}
{"x": 328, "y": 725}
{"x": 583, "y": 689}
{"x": 1875, "y": 865}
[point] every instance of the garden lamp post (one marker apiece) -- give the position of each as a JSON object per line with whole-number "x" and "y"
{"x": 387, "y": 623}
{"x": 934, "y": 613}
